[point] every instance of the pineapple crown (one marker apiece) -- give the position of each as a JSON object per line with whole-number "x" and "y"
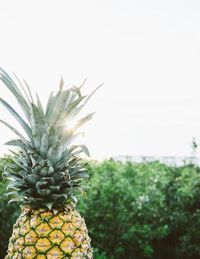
{"x": 48, "y": 170}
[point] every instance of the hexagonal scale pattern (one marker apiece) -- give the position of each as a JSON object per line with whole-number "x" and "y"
{"x": 44, "y": 234}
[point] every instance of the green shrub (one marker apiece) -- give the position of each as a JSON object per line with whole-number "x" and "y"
{"x": 146, "y": 210}
{"x": 8, "y": 213}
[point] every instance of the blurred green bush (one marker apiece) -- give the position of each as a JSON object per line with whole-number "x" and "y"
{"x": 8, "y": 213}
{"x": 146, "y": 210}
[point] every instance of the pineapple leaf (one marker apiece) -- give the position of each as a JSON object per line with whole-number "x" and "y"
{"x": 24, "y": 125}
{"x": 39, "y": 104}
{"x": 83, "y": 121}
{"x": 14, "y": 200}
{"x": 44, "y": 144}
{"x": 53, "y": 138}
{"x": 85, "y": 150}
{"x": 69, "y": 111}
{"x": 68, "y": 138}
{"x": 79, "y": 174}
{"x": 28, "y": 98}
{"x": 89, "y": 96}
{"x": 61, "y": 84}
{"x": 19, "y": 143}
{"x": 19, "y": 165}
{"x": 52, "y": 150}
{"x": 51, "y": 102}
{"x": 13, "y": 129}
{"x": 83, "y": 83}
{"x": 75, "y": 103}
{"x": 74, "y": 199}
{"x": 29, "y": 91}
{"x": 10, "y": 84}
{"x": 38, "y": 121}
{"x": 11, "y": 193}
{"x": 49, "y": 205}
{"x": 50, "y": 99}
{"x": 58, "y": 107}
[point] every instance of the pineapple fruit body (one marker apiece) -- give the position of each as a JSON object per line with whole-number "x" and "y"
{"x": 49, "y": 234}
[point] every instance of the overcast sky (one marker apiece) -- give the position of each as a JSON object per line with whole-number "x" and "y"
{"x": 147, "y": 54}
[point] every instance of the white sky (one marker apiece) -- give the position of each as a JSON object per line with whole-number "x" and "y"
{"x": 147, "y": 53}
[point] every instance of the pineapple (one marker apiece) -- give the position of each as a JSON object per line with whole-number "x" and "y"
{"x": 47, "y": 174}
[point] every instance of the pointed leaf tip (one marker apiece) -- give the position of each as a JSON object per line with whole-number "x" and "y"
{"x": 61, "y": 84}
{"x": 85, "y": 150}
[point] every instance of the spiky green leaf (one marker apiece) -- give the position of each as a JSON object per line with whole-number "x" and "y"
{"x": 85, "y": 150}
{"x": 13, "y": 129}
{"x": 39, "y": 104}
{"x": 24, "y": 125}
{"x": 10, "y": 84}
{"x": 38, "y": 121}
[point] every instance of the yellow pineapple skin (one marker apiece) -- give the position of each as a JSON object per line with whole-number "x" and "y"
{"x": 49, "y": 234}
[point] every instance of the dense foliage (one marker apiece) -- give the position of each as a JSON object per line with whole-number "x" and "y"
{"x": 146, "y": 210}
{"x": 8, "y": 213}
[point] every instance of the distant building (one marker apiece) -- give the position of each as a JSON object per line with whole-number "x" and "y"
{"x": 168, "y": 160}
